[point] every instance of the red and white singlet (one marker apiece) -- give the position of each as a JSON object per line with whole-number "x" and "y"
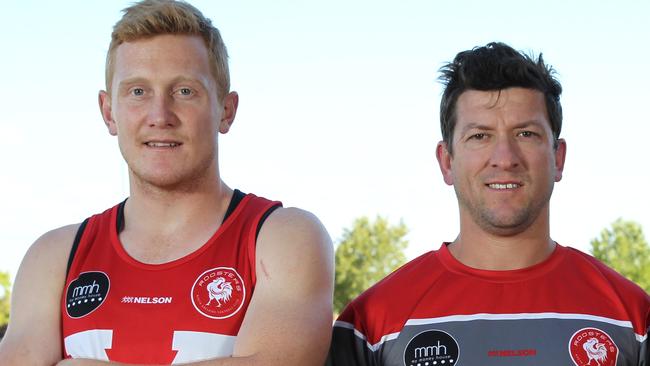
{"x": 115, "y": 308}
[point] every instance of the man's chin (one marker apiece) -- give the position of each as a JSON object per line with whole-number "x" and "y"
{"x": 504, "y": 231}
{"x": 164, "y": 182}
{"x": 505, "y": 225}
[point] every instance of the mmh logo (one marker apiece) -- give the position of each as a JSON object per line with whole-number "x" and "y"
{"x": 431, "y": 347}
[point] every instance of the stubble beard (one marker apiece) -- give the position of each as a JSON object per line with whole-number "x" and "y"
{"x": 179, "y": 180}
{"x": 512, "y": 222}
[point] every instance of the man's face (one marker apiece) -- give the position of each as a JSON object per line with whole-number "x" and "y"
{"x": 503, "y": 166}
{"x": 165, "y": 110}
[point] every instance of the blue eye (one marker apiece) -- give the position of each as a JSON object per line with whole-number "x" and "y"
{"x": 185, "y": 91}
{"x": 137, "y": 92}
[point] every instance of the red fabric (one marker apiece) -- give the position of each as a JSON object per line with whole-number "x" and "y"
{"x": 437, "y": 285}
{"x": 146, "y": 304}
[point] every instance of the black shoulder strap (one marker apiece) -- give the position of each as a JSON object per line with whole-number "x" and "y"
{"x": 119, "y": 223}
{"x": 237, "y": 196}
{"x": 264, "y": 217}
{"x": 82, "y": 228}
{"x": 75, "y": 244}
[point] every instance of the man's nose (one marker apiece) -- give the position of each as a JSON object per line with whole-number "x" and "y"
{"x": 161, "y": 113}
{"x": 505, "y": 153}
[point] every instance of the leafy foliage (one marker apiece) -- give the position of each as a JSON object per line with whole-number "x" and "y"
{"x": 5, "y": 295}
{"x": 367, "y": 253}
{"x": 625, "y": 249}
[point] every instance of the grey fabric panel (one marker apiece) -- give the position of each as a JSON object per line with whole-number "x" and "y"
{"x": 497, "y": 342}
{"x": 518, "y": 342}
{"x": 349, "y": 350}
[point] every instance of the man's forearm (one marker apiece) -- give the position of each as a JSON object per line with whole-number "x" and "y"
{"x": 230, "y": 361}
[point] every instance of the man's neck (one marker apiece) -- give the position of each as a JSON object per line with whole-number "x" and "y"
{"x": 163, "y": 225}
{"x": 480, "y": 249}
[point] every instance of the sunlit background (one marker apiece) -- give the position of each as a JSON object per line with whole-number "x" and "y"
{"x": 338, "y": 109}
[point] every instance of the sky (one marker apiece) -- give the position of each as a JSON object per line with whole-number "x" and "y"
{"x": 338, "y": 110}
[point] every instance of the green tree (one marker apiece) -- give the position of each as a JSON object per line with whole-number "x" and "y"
{"x": 5, "y": 288}
{"x": 367, "y": 253}
{"x": 625, "y": 249}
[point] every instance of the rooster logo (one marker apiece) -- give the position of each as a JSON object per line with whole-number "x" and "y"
{"x": 595, "y": 351}
{"x": 593, "y": 347}
{"x": 219, "y": 290}
{"x": 219, "y": 293}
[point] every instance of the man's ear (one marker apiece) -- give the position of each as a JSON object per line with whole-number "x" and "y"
{"x": 444, "y": 162}
{"x": 559, "y": 155}
{"x": 105, "y": 109}
{"x": 230, "y": 104}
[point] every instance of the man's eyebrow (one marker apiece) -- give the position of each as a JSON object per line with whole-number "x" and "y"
{"x": 176, "y": 80}
{"x": 184, "y": 78}
{"x": 474, "y": 126}
{"x": 192, "y": 79}
{"x": 483, "y": 127}
{"x": 529, "y": 123}
{"x": 130, "y": 81}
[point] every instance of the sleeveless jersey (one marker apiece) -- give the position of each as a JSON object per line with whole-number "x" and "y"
{"x": 115, "y": 308}
{"x": 434, "y": 311}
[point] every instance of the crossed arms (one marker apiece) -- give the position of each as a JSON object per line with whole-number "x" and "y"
{"x": 288, "y": 321}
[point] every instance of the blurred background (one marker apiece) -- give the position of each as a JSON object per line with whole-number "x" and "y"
{"x": 338, "y": 111}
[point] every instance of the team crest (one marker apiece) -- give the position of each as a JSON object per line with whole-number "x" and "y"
{"x": 432, "y": 347}
{"x": 86, "y": 293}
{"x": 218, "y": 293}
{"x": 593, "y": 347}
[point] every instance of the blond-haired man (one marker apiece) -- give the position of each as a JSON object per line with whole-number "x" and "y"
{"x": 186, "y": 270}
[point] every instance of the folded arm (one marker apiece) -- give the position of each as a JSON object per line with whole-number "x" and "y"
{"x": 289, "y": 319}
{"x": 34, "y": 334}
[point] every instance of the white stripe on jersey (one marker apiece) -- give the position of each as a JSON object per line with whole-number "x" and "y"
{"x": 520, "y": 316}
{"x": 485, "y": 316}
{"x": 358, "y": 334}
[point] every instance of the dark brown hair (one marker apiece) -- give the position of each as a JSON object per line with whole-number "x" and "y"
{"x": 497, "y": 66}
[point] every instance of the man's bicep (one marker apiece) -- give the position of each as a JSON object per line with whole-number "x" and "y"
{"x": 33, "y": 335}
{"x": 290, "y": 315}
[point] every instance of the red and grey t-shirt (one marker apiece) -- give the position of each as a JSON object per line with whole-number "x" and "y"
{"x": 434, "y": 311}
{"x": 115, "y": 308}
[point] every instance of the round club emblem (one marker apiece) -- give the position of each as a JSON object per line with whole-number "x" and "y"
{"x": 592, "y": 346}
{"x": 86, "y": 293}
{"x": 218, "y": 293}
{"x": 431, "y": 347}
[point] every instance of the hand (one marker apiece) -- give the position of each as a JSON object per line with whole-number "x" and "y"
{"x": 79, "y": 362}
{"x": 70, "y": 362}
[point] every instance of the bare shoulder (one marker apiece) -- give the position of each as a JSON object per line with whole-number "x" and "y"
{"x": 35, "y": 312}
{"x": 289, "y": 319}
{"x": 46, "y": 260}
{"x": 292, "y": 221}
{"x": 295, "y": 231}
{"x": 295, "y": 258}
{"x": 49, "y": 253}
{"x": 58, "y": 241}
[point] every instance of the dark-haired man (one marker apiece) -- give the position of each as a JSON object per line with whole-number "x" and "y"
{"x": 503, "y": 292}
{"x": 187, "y": 270}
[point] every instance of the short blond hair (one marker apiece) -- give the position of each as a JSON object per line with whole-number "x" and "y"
{"x": 149, "y": 18}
